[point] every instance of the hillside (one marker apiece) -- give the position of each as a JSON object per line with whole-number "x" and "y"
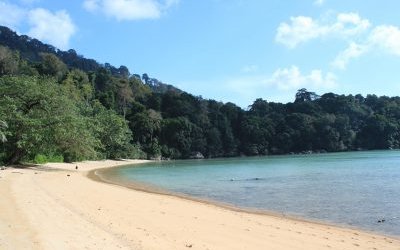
{"x": 57, "y": 105}
{"x": 30, "y": 49}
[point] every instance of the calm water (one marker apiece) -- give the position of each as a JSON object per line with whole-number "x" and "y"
{"x": 355, "y": 189}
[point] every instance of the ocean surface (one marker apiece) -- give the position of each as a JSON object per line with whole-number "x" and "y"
{"x": 356, "y": 189}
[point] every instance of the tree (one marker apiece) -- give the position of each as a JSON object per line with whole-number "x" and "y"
{"x": 3, "y": 127}
{"x": 123, "y": 72}
{"x": 255, "y": 134}
{"x": 259, "y": 107}
{"x": 8, "y": 61}
{"x": 79, "y": 85}
{"x": 125, "y": 96}
{"x": 176, "y": 134}
{"x": 379, "y": 133}
{"x": 145, "y": 78}
{"x": 51, "y": 65}
{"x": 303, "y": 95}
{"x": 113, "y": 132}
{"x": 42, "y": 119}
{"x": 303, "y": 131}
{"x": 146, "y": 126}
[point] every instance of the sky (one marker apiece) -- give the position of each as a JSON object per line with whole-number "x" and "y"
{"x": 229, "y": 50}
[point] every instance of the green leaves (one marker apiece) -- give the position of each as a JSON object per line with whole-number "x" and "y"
{"x": 42, "y": 119}
{"x": 113, "y": 133}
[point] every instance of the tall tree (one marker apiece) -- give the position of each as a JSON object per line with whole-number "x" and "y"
{"x": 125, "y": 96}
{"x": 3, "y": 127}
{"x": 42, "y": 119}
{"x": 51, "y": 65}
{"x": 8, "y": 61}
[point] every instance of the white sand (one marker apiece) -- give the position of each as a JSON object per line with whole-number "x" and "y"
{"x": 51, "y": 210}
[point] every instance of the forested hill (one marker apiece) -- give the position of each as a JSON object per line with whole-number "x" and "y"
{"x": 57, "y": 105}
{"x": 30, "y": 49}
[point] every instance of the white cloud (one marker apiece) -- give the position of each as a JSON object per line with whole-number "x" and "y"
{"x": 282, "y": 80}
{"x": 55, "y": 28}
{"x": 292, "y": 78}
{"x": 319, "y": 2}
{"x": 11, "y": 15}
{"x": 302, "y": 29}
{"x": 91, "y": 5}
{"x": 353, "y": 51}
{"x": 275, "y": 86}
{"x": 386, "y": 37}
{"x": 126, "y": 10}
{"x": 132, "y": 9}
{"x": 361, "y": 37}
{"x": 350, "y": 24}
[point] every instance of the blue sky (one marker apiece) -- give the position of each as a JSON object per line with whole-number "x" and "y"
{"x": 229, "y": 50}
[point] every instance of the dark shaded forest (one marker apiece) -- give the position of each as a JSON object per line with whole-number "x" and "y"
{"x": 59, "y": 106}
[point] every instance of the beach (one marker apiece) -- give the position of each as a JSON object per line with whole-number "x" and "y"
{"x": 56, "y": 206}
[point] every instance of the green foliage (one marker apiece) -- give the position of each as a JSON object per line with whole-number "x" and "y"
{"x": 79, "y": 86}
{"x": 113, "y": 133}
{"x": 42, "y": 159}
{"x": 51, "y": 65}
{"x": 41, "y": 117}
{"x": 57, "y": 105}
{"x": 8, "y": 61}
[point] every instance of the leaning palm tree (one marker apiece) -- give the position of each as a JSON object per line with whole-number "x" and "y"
{"x": 3, "y": 127}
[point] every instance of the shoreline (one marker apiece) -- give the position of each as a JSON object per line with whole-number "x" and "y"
{"x": 147, "y": 188}
{"x": 43, "y": 209}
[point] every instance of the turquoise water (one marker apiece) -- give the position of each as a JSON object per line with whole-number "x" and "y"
{"x": 352, "y": 189}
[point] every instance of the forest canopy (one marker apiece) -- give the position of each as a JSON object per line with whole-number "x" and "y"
{"x": 57, "y": 105}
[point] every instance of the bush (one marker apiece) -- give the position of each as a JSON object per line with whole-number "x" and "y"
{"x": 42, "y": 159}
{"x": 55, "y": 158}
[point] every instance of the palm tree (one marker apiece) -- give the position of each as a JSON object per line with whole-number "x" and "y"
{"x": 3, "y": 127}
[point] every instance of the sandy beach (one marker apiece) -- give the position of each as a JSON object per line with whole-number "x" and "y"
{"x": 55, "y": 206}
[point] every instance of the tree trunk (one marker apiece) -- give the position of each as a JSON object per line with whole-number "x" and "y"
{"x": 15, "y": 157}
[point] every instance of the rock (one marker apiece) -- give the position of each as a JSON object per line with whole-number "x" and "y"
{"x": 381, "y": 221}
{"x": 196, "y": 155}
{"x": 68, "y": 175}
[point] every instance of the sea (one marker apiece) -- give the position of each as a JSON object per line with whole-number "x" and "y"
{"x": 351, "y": 189}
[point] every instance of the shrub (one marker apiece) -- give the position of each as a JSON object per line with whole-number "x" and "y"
{"x": 42, "y": 159}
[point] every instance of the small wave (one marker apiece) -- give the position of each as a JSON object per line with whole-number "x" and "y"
{"x": 248, "y": 179}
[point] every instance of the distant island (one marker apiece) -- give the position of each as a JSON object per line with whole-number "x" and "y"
{"x": 60, "y": 106}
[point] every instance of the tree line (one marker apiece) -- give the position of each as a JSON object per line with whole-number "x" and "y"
{"x": 52, "y": 109}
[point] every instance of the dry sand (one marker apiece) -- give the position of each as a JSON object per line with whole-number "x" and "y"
{"x": 63, "y": 209}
